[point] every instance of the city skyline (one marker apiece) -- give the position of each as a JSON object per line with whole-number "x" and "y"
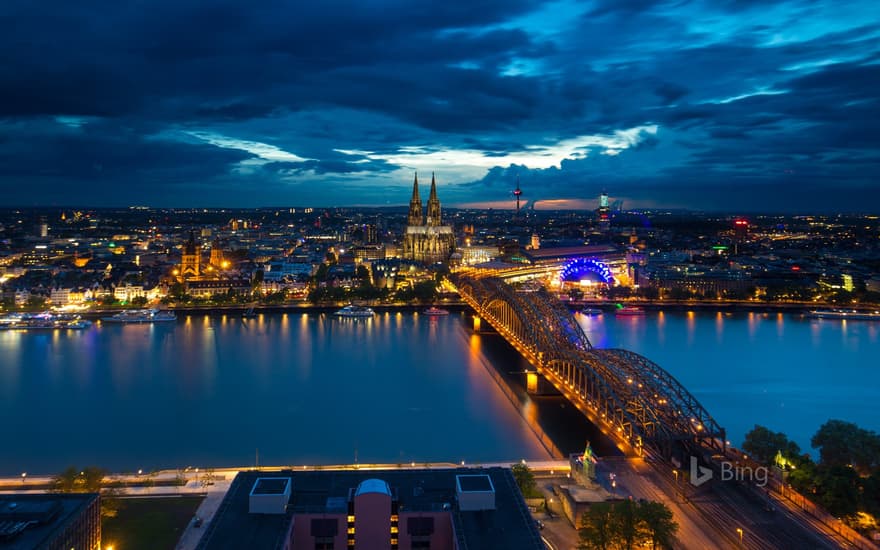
{"x": 732, "y": 106}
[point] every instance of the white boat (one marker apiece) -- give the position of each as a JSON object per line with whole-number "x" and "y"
{"x": 45, "y": 320}
{"x": 355, "y": 311}
{"x": 141, "y": 316}
{"x": 592, "y": 311}
{"x": 844, "y": 314}
{"x": 435, "y": 311}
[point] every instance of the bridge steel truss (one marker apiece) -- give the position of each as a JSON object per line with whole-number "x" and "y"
{"x": 632, "y": 399}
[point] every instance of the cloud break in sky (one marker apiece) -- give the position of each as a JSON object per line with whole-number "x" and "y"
{"x": 729, "y": 104}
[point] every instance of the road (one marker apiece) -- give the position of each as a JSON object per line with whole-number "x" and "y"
{"x": 718, "y": 514}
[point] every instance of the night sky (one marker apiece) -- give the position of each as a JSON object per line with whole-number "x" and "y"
{"x": 740, "y": 105}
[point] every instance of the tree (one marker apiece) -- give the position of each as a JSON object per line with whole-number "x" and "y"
{"x": 597, "y": 530}
{"x": 659, "y": 523}
{"x": 425, "y": 291}
{"x": 66, "y": 481}
{"x": 837, "y": 488}
{"x": 88, "y": 480}
{"x": 763, "y": 444}
{"x": 363, "y": 274}
{"x": 648, "y": 292}
{"x": 626, "y": 521}
{"x": 845, "y": 444}
{"x": 139, "y": 301}
{"x": 177, "y": 291}
{"x": 36, "y": 301}
{"x": 92, "y": 479}
{"x": 626, "y": 525}
{"x": 525, "y": 479}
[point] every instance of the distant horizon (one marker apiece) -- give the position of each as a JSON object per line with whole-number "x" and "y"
{"x": 403, "y": 208}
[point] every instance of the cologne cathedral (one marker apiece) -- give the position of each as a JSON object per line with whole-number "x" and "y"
{"x": 426, "y": 239}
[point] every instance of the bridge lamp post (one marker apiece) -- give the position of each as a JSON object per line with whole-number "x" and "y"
{"x": 740, "y": 533}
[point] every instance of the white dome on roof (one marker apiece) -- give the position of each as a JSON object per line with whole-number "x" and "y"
{"x": 373, "y": 486}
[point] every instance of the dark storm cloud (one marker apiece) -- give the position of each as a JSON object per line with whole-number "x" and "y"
{"x": 90, "y": 165}
{"x": 167, "y": 98}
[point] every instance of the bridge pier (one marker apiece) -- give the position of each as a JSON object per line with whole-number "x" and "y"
{"x": 538, "y": 385}
{"x": 480, "y": 327}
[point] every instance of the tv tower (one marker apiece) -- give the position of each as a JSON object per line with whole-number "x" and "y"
{"x": 516, "y": 193}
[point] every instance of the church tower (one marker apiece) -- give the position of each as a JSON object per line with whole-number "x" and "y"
{"x": 216, "y": 254}
{"x": 433, "y": 205}
{"x": 427, "y": 240}
{"x": 415, "y": 205}
{"x": 191, "y": 259}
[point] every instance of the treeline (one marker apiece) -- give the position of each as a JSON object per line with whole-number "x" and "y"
{"x": 846, "y": 478}
{"x": 627, "y": 524}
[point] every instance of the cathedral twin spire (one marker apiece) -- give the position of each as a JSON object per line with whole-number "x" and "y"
{"x": 433, "y": 207}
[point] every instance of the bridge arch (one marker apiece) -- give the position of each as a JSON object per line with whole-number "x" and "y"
{"x": 628, "y": 394}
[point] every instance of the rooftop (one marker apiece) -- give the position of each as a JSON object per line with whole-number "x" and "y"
{"x": 569, "y": 251}
{"x": 51, "y": 513}
{"x": 509, "y": 526}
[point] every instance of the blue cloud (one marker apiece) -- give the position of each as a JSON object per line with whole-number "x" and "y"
{"x": 346, "y": 98}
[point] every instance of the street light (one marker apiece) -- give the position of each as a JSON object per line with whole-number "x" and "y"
{"x": 23, "y": 476}
{"x": 740, "y": 532}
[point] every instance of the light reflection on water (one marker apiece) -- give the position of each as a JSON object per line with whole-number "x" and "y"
{"x": 211, "y": 390}
{"x": 779, "y": 370}
{"x": 309, "y": 388}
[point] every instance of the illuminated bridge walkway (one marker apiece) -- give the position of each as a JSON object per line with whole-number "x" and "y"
{"x": 629, "y": 397}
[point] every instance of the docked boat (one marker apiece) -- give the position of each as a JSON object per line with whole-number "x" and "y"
{"x": 851, "y": 314}
{"x": 46, "y": 321}
{"x": 355, "y": 311}
{"x": 630, "y": 311}
{"x": 435, "y": 311}
{"x": 592, "y": 311}
{"x": 141, "y": 316}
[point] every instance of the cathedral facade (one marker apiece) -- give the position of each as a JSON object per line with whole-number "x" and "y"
{"x": 426, "y": 239}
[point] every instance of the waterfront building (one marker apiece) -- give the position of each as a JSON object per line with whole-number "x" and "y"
{"x": 427, "y": 239}
{"x": 209, "y": 287}
{"x": 401, "y": 509}
{"x": 50, "y": 521}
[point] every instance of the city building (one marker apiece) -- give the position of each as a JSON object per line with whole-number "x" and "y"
{"x": 403, "y": 509}
{"x": 426, "y": 239}
{"x": 191, "y": 259}
{"x": 604, "y": 213}
{"x": 216, "y": 258}
{"x": 558, "y": 258}
{"x": 50, "y": 521}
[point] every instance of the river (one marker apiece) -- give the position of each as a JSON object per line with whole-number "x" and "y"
{"x": 307, "y": 388}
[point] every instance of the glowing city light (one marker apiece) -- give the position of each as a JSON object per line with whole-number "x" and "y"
{"x": 575, "y": 270}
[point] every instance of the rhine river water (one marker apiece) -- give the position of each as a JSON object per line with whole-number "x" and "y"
{"x": 301, "y": 389}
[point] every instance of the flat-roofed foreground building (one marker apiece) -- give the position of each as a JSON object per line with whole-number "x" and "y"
{"x": 50, "y": 522}
{"x": 448, "y": 509}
